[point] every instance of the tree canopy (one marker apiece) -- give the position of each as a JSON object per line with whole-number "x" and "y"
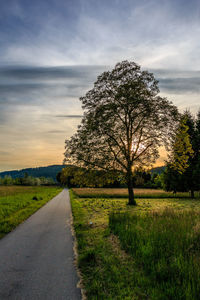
{"x": 125, "y": 122}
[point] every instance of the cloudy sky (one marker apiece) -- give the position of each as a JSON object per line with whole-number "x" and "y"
{"x": 51, "y": 52}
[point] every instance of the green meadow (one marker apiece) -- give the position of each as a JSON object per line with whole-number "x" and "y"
{"x": 17, "y": 203}
{"x": 150, "y": 251}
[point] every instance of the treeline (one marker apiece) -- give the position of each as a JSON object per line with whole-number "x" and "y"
{"x": 26, "y": 180}
{"x": 73, "y": 176}
{"x": 182, "y": 172}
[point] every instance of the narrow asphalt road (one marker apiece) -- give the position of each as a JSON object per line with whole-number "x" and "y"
{"x": 36, "y": 259}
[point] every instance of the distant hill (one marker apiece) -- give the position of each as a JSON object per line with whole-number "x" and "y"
{"x": 49, "y": 171}
{"x": 158, "y": 170}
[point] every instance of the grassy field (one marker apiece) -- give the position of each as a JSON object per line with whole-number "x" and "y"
{"x": 165, "y": 245}
{"x": 134, "y": 254}
{"x": 17, "y": 203}
{"x": 123, "y": 193}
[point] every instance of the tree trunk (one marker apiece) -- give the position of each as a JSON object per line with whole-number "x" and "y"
{"x": 131, "y": 198}
{"x": 192, "y": 193}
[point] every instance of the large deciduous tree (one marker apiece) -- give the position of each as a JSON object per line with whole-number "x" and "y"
{"x": 125, "y": 122}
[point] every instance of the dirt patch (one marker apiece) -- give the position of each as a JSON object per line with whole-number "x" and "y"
{"x": 114, "y": 241}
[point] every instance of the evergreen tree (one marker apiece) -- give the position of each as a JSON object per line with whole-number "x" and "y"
{"x": 181, "y": 147}
{"x": 183, "y": 168}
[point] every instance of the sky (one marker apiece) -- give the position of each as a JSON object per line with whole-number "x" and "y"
{"x": 51, "y": 52}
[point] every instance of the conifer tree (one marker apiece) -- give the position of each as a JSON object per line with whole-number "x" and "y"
{"x": 183, "y": 167}
{"x": 181, "y": 148}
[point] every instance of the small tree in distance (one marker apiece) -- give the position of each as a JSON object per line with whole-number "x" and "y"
{"x": 125, "y": 122}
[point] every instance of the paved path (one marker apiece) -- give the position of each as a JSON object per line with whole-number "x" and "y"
{"x": 36, "y": 259}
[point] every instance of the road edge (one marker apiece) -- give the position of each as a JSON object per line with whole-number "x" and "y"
{"x": 75, "y": 250}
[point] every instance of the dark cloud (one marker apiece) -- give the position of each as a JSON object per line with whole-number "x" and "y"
{"x": 4, "y": 153}
{"x": 178, "y": 81}
{"x": 69, "y": 116}
{"x": 33, "y": 92}
{"x": 55, "y": 131}
{"x": 180, "y": 85}
{"x": 46, "y": 73}
{"x": 28, "y": 85}
{"x": 173, "y": 73}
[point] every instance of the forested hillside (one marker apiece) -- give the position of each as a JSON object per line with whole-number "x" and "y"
{"x": 49, "y": 171}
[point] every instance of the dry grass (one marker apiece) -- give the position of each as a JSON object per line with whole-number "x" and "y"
{"x": 116, "y": 247}
{"x": 123, "y": 192}
{"x": 114, "y": 191}
{"x": 14, "y": 190}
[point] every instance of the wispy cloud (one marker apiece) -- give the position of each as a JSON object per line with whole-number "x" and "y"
{"x": 55, "y": 131}
{"x": 69, "y": 116}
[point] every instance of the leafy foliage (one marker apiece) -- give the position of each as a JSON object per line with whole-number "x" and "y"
{"x": 72, "y": 176}
{"x": 81, "y": 177}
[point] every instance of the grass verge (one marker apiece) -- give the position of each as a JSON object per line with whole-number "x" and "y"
{"x": 108, "y": 270}
{"x": 18, "y": 203}
{"x": 105, "y": 275}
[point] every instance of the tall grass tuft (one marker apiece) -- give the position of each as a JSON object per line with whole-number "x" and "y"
{"x": 166, "y": 246}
